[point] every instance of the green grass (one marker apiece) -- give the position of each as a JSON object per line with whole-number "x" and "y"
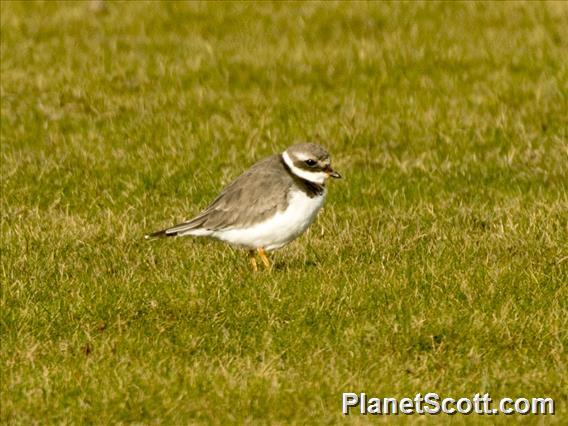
{"x": 440, "y": 262}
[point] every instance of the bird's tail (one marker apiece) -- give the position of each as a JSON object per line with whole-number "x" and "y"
{"x": 191, "y": 227}
{"x": 158, "y": 234}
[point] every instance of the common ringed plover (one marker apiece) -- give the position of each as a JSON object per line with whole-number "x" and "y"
{"x": 268, "y": 206}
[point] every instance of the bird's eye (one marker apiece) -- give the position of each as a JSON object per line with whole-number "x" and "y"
{"x": 311, "y": 162}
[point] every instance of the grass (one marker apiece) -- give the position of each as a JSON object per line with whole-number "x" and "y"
{"x": 439, "y": 264}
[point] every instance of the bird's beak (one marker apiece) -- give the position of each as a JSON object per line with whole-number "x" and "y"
{"x": 332, "y": 173}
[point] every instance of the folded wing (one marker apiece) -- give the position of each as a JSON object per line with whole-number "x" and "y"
{"x": 255, "y": 195}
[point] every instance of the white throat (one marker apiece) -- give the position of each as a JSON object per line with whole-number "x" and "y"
{"x": 315, "y": 177}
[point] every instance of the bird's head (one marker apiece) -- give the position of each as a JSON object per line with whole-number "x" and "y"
{"x": 309, "y": 161}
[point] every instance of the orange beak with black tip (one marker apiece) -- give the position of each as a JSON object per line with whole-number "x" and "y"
{"x": 332, "y": 173}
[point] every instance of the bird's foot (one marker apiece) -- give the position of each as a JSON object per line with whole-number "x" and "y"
{"x": 252, "y": 260}
{"x": 264, "y": 257}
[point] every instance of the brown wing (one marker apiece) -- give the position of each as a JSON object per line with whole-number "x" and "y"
{"x": 249, "y": 199}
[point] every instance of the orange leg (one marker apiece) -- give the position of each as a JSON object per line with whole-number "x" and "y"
{"x": 263, "y": 257}
{"x": 252, "y": 260}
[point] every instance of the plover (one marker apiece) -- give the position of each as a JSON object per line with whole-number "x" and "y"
{"x": 268, "y": 206}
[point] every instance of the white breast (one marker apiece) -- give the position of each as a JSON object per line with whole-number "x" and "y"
{"x": 280, "y": 229}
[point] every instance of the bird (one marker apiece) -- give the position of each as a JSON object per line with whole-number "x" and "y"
{"x": 266, "y": 207}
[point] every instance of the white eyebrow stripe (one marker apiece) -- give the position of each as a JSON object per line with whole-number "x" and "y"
{"x": 301, "y": 156}
{"x": 315, "y": 177}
